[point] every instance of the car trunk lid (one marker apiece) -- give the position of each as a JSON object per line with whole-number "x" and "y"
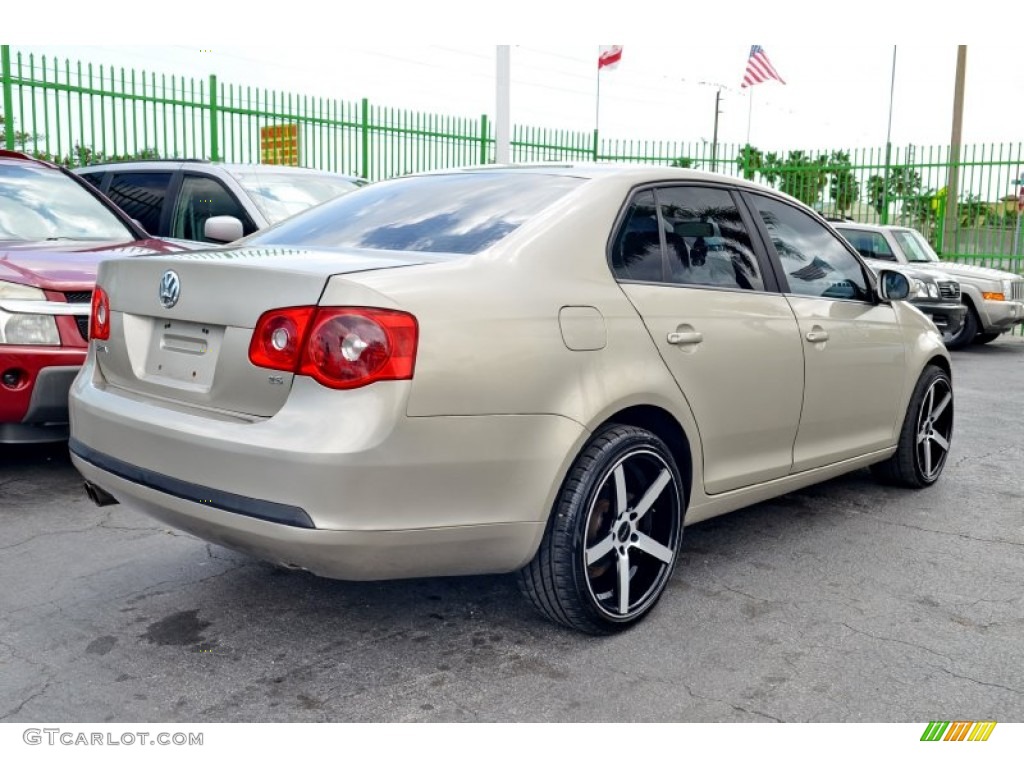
{"x": 195, "y": 349}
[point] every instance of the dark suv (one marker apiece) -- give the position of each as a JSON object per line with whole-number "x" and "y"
{"x": 212, "y": 202}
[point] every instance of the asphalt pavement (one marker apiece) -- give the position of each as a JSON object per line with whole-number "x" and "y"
{"x": 847, "y": 601}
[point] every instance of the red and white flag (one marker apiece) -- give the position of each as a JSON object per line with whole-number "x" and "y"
{"x": 759, "y": 68}
{"x": 608, "y": 56}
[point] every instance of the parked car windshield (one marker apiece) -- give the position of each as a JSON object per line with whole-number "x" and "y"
{"x": 457, "y": 213}
{"x": 39, "y": 203}
{"x": 914, "y": 246}
{"x": 280, "y": 195}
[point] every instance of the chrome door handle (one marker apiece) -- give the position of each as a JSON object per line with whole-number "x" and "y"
{"x": 692, "y": 337}
{"x": 816, "y": 336}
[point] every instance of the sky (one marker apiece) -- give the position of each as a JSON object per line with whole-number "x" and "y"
{"x": 838, "y": 70}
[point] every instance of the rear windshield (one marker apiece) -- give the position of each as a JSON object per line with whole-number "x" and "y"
{"x": 454, "y": 213}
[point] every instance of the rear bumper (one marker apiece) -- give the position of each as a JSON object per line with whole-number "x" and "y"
{"x": 338, "y": 554}
{"x": 376, "y": 494}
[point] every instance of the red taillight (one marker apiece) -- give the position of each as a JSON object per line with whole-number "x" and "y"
{"x": 340, "y": 347}
{"x": 99, "y": 317}
{"x": 277, "y": 340}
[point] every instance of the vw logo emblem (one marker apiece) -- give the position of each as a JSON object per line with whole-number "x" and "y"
{"x": 170, "y": 288}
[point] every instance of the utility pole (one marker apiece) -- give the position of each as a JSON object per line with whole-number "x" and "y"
{"x": 502, "y": 122}
{"x": 714, "y": 138}
{"x": 950, "y": 226}
{"x": 888, "y": 143}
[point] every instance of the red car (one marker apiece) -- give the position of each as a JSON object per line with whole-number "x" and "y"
{"x": 54, "y": 231}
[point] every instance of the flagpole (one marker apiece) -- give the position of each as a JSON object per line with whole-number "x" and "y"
{"x": 750, "y": 111}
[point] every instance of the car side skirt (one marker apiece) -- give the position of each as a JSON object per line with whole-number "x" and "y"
{"x": 719, "y": 504}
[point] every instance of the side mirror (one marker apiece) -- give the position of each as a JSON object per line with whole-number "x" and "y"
{"x": 222, "y": 229}
{"x": 893, "y": 286}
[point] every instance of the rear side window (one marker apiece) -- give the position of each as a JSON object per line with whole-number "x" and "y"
{"x": 452, "y": 213}
{"x": 706, "y": 243}
{"x": 636, "y": 253}
{"x": 141, "y": 196}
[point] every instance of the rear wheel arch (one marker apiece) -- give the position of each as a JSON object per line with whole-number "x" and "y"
{"x": 663, "y": 424}
{"x": 612, "y": 539}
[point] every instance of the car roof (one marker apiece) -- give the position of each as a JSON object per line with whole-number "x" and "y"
{"x": 9, "y": 155}
{"x": 640, "y": 173}
{"x": 175, "y": 163}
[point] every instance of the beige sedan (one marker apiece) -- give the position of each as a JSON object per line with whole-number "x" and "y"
{"x": 547, "y": 370}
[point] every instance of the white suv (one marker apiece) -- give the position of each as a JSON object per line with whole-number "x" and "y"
{"x": 994, "y": 299}
{"x": 212, "y": 202}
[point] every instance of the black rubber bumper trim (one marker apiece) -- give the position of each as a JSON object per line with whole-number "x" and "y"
{"x": 271, "y": 511}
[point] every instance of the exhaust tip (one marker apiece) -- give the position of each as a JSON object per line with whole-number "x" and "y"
{"x": 98, "y": 496}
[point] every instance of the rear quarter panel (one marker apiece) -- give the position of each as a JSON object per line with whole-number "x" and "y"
{"x": 490, "y": 341}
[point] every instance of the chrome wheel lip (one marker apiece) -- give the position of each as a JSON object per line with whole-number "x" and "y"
{"x": 620, "y": 525}
{"x": 934, "y": 429}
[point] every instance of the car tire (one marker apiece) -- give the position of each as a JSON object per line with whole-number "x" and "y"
{"x": 985, "y": 338}
{"x": 925, "y": 436}
{"x": 613, "y": 537}
{"x": 967, "y": 332}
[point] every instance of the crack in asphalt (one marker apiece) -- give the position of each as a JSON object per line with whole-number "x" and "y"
{"x": 978, "y": 682}
{"x": 895, "y": 640}
{"x": 19, "y": 657}
{"x": 36, "y": 695}
{"x": 48, "y": 533}
{"x": 965, "y": 459}
{"x": 946, "y": 533}
{"x": 736, "y": 707}
{"x": 103, "y": 523}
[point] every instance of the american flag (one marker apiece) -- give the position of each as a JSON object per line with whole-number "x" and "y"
{"x": 759, "y": 68}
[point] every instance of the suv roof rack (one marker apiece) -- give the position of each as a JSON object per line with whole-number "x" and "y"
{"x": 154, "y": 160}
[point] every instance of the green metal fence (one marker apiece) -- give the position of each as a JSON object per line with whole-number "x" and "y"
{"x": 77, "y": 113}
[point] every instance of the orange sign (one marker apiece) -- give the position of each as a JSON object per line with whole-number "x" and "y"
{"x": 279, "y": 144}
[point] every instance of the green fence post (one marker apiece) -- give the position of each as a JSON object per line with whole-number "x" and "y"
{"x": 366, "y": 139}
{"x": 941, "y": 228}
{"x": 483, "y": 139}
{"x": 595, "y": 145}
{"x": 5, "y": 64}
{"x": 885, "y": 184}
{"x": 214, "y": 128}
